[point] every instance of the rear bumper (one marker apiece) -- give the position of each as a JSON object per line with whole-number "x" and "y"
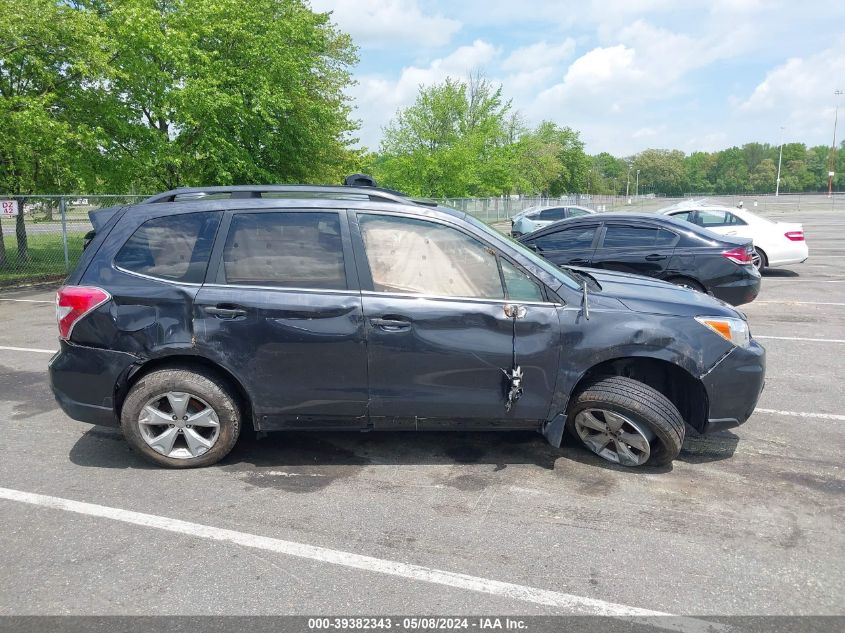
{"x": 739, "y": 291}
{"x": 84, "y": 381}
{"x": 734, "y": 386}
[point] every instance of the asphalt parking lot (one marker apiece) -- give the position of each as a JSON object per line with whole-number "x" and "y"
{"x": 745, "y": 522}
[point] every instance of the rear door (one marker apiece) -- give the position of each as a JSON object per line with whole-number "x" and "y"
{"x": 638, "y": 248}
{"x": 282, "y": 311}
{"x": 439, "y": 338}
{"x": 568, "y": 244}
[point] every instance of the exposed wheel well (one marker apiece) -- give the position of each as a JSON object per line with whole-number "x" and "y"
{"x": 188, "y": 362}
{"x": 681, "y": 280}
{"x": 684, "y": 391}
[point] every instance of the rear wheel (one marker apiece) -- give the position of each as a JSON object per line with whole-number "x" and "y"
{"x": 180, "y": 418}
{"x": 759, "y": 259}
{"x": 627, "y": 422}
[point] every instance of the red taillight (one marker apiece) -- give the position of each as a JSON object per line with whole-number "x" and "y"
{"x": 795, "y": 236}
{"x": 739, "y": 255}
{"x": 73, "y": 303}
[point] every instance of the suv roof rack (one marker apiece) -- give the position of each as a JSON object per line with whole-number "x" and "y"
{"x": 374, "y": 194}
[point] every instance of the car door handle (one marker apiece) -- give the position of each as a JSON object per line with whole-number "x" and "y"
{"x": 654, "y": 258}
{"x": 390, "y": 325}
{"x": 223, "y": 312}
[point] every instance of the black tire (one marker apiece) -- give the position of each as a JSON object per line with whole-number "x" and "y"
{"x": 642, "y": 404}
{"x": 686, "y": 282}
{"x": 764, "y": 261}
{"x": 198, "y": 383}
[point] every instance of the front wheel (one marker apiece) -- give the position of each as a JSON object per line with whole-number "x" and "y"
{"x": 180, "y": 418}
{"x": 627, "y": 422}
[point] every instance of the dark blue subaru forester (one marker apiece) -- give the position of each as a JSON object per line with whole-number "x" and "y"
{"x": 200, "y": 311}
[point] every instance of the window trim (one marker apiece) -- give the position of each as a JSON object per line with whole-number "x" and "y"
{"x": 365, "y": 276}
{"x": 216, "y": 273}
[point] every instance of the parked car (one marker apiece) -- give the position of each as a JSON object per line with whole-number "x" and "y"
{"x": 775, "y": 243}
{"x": 353, "y": 308}
{"x": 537, "y": 217}
{"x": 655, "y": 246}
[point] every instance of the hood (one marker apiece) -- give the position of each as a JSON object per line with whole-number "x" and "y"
{"x": 644, "y": 294}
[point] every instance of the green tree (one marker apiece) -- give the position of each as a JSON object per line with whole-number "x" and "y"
{"x": 764, "y": 176}
{"x": 49, "y": 52}
{"x": 223, "y": 91}
{"x": 452, "y": 142}
{"x": 662, "y": 170}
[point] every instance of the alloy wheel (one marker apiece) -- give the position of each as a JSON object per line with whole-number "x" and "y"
{"x": 179, "y": 425}
{"x": 614, "y": 436}
{"x": 757, "y": 260}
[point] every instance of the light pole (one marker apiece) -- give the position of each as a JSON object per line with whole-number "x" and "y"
{"x": 780, "y": 158}
{"x": 837, "y": 94}
{"x": 637, "y": 190}
{"x": 628, "y": 186}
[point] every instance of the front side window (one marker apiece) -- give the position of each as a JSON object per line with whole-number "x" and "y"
{"x": 173, "y": 247}
{"x": 285, "y": 249}
{"x": 576, "y": 237}
{"x": 420, "y": 257}
{"x": 520, "y": 286}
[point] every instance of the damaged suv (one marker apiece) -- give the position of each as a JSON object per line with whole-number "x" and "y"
{"x": 202, "y": 311}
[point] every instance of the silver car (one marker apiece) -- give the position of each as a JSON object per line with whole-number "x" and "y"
{"x": 533, "y": 218}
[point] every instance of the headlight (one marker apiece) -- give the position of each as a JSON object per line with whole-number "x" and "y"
{"x": 733, "y": 330}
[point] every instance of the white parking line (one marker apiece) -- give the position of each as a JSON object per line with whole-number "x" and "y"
{"x": 802, "y": 414}
{"x": 567, "y": 602}
{"x": 798, "y": 338}
{"x": 29, "y": 300}
{"x": 28, "y": 349}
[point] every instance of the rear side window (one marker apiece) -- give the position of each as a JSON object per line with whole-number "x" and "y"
{"x": 619, "y": 236}
{"x": 711, "y": 218}
{"x": 174, "y": 247}
{"x": 579, "y": 237}
{"x": 574, "y": 213}
{"x": 289, "y": 249}
{"x": 552, "y": 214}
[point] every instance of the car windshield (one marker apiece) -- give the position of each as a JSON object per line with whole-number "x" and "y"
{"x": 558, "y": 273}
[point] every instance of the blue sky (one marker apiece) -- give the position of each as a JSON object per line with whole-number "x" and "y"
{"x": 628, "y": 74}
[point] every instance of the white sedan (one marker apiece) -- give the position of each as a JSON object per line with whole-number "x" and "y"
{"x": 775, "y": 243}
{"x": 533, "y": 218}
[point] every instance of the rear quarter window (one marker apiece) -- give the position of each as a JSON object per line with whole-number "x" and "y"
{"x": 174, "y": 247}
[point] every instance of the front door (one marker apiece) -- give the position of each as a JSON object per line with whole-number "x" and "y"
{"x": 440, "y": 343}
{"x": 283, "y": 314}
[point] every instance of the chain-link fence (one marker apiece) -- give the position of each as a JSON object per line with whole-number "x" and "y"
{"x": 41, "y": 236}
{"x": 500, "y": 209}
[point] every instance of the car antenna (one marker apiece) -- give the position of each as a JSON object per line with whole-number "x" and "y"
{"x": 585, "y": 301}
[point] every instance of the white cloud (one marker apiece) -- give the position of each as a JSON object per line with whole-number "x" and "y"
{"x": 378, "y": 98}
{"x": 381, "y": 23}
{"x": 799, "y": 94}
{"x": 539, "y": 55}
